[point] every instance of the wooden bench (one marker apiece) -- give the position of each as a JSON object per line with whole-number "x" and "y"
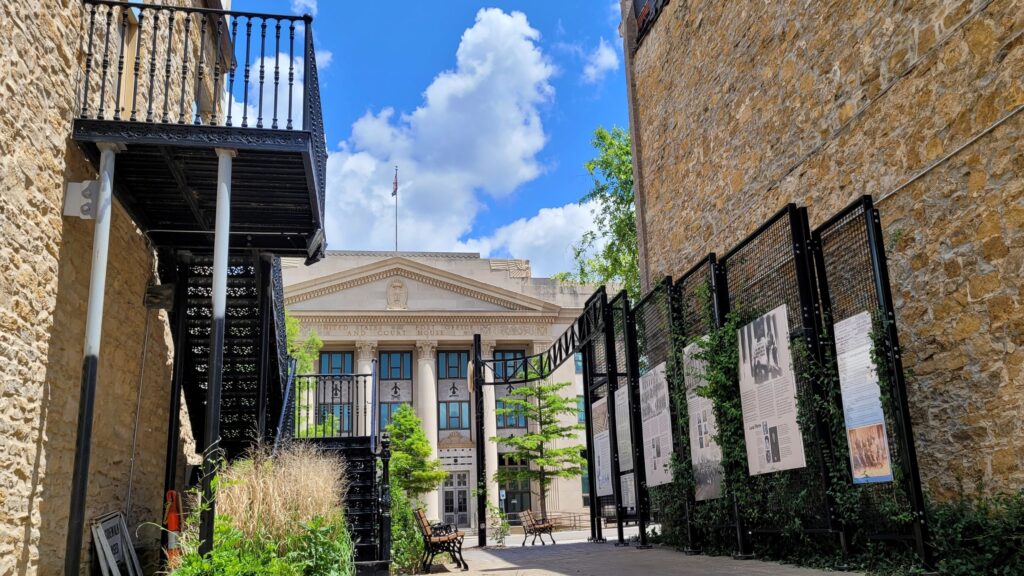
{"x": 536, "y": 527}
{"x": 438, "y": 539}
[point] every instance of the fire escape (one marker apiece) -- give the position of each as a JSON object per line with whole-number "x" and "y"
{"x": 206, "y": 125}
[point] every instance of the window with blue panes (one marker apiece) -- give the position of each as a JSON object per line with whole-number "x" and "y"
{"x": 396, "y": 365}
{"x": 452, "y": 364}
{"x": 581, "y": 415}
{"x": 336, "y": 362}
{"x": 509, "y": 366}
{"x": 453, "y": 415}
{"x": 516, "y": 419}
{"x": 387, "y": 409}
{"x": 578, "y": 357}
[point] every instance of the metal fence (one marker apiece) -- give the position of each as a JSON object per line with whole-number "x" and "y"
{"x": 809, "y": 285}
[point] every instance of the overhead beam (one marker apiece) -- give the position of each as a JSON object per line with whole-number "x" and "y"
{"x": 190, "y": 196}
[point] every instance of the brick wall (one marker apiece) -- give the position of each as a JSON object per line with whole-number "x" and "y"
{"x": 44, "y": 279}
{"x": 740, "y": 107}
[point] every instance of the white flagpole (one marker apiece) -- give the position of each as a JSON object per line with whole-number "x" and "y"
{"x": 394, "y": 193}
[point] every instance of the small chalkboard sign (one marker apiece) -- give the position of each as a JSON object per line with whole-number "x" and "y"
{"x": 114, "y": 546}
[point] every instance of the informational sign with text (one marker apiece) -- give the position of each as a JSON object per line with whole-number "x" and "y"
{"x": 862, "y": 401}
{"x": 705, "y": 454}
{"x": 656, "y": 420}
{"x": 768, "y": 395}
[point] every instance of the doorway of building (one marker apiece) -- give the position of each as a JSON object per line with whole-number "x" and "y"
{"x": 456, "y": 499}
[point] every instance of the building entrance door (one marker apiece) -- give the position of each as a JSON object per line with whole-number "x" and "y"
{"x": 456, "y": 499}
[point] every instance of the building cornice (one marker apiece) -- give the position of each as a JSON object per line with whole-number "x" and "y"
{"x": 421, "y": 318}
{"x": 418, "y": 272}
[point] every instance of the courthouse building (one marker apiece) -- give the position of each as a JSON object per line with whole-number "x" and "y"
{"x": 416, "y": 314}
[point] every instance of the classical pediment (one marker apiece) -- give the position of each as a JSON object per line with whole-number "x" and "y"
{"x": 402, "y": 285}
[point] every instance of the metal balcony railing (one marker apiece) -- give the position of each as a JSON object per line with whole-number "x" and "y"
{"x": 189, "y": 67}
{"x": 327, "y": 406}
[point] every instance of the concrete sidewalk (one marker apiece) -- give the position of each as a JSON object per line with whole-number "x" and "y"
{"x": 606, "y": 559}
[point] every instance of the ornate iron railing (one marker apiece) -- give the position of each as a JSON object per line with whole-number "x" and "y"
{"x": 327, "y": 406}
{"x": 201, "y": 67}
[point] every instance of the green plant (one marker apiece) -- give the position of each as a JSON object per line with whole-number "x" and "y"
{"x": 609, "y": 252}
{"x": 406, "y": 540}
{"x": 411, "y": 465}
{"x": 498, "y": 527}
{"x": 306, "y": 352}
{"x": 323, "y": 548}
{"x": 552, "y": 418}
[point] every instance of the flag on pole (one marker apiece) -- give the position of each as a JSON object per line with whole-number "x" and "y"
{"x": 394, "y": 190}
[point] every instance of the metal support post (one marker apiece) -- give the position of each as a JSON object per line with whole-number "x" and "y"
{"x": 90, "y": 361}
{"x": 219, "y": 296}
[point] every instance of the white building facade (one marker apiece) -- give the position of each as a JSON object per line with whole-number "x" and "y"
{"x": 416, "y": 314}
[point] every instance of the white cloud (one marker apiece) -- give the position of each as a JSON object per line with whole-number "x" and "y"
{"x": 477, "y": 132}
{"x": 323, "y": 59}
{"x": 304, "y": 7}
{"x": 248, "y": 110}
{"x": 602, "y": 60}
{"x": 545, "y": 239}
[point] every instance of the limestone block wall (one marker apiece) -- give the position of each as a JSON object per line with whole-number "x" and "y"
{"x": 44, "y": 278}
{"x": 740, "y": 107}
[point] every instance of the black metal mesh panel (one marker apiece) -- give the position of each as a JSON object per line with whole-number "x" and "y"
{"x": 694, "y": 291}
{"x": 845, "y": 261}
{"x": 762, "y": 274}
{"x": 653, "y": 328}
{"x": 619, "y": 307}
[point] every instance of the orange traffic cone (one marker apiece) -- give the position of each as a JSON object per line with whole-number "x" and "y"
{"x": 172, "y": 523}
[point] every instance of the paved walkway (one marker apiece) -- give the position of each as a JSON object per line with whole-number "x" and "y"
{"x": 583, "y": 558}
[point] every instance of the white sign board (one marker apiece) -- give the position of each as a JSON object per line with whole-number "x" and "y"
{"x": 705, "y": 453}
{"x": 627, "y": 486}
{"x": 622, "y": 436}
{"x": 114, "y": 549}
{"x": 768, "y": 395}
{"x": 656, "y": 420}
{"x": 862, "y": 401}
{"x": 602, "y": 447}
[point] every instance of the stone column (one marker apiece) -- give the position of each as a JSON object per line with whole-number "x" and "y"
{"x": 366, "y": 352}
{"x": 425, "y": 395}
{"x": 490, "y": 454}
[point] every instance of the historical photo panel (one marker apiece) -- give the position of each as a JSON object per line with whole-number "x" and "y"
{"x": 705, "y": 453}
{"x": 862, "y": 401}
{"x": 768, "y": 395}
{"x": 656, "y": 420}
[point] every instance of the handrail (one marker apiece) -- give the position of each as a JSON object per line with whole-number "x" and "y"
{"x": 285, "y": 406}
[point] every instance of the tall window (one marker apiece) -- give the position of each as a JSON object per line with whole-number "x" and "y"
{"x": 453, "y": 415}
{"x": 516, "y": 419}
{"x": 581, "y": 415}
{"x": 509, "y": 366}
{"x": 517, "y": 492}
{"x": 578, "y": 358}
{"x": 452, "y": 364}
{"x": 387, "y": 410}
{"x": 396, "y": 365}
{"x": 336, "y": 363}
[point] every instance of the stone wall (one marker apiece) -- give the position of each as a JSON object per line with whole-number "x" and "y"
{"x": 740, "y": 107}
{"x": 45, "y": 262}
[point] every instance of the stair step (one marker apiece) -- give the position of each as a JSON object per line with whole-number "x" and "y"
{"x": 373, "y": 568}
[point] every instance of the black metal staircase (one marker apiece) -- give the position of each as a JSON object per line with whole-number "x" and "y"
{"x": 367, "y": 501}
{"x": 251, "y": 381}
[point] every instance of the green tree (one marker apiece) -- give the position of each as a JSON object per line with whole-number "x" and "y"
{"x": 306, "y": 352}
{"x": 551, "y": 418}
{"x": 608, "y": 253}
{"x": 411, "y": 465}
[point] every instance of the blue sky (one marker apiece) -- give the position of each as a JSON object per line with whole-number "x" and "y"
{"x": 487, "y": 108}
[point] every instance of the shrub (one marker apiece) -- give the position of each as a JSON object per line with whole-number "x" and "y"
{"x": 411, "y": 465}
{"x": 280, "y": 515}
{"x": 273, "y": 495}
{"x": 406, "y": 540}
